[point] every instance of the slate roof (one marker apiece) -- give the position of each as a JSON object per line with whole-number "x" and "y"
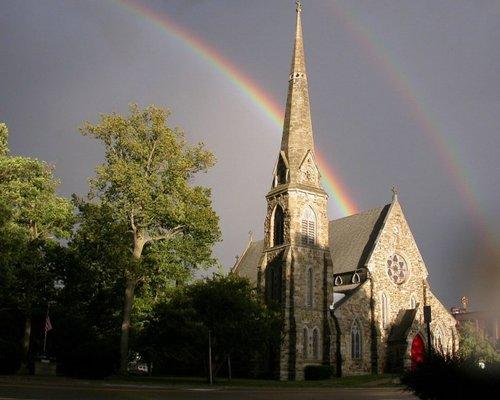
{"x": 352, "y": 238}
{"x": 248, "y": 263}
{"x": 402, "y": 325}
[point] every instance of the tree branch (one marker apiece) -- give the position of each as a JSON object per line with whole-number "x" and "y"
{"x": 150, "y": 158}
{"x": 132, "y": 222}
{"x": 170, "y": 234}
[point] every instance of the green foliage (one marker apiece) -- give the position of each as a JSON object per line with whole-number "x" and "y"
{"x": 32, "y": 216}
{"x": 442, "y": 377}
{"x": 475, "y": 346}
{"x": 318, "y": 372}
{"x": 145, "y": 189}
{"x": 10, "y": 356}
{"x": 242, "y": 327}
{"x": 146, "y": 178}
{"x": 4, "y": 138}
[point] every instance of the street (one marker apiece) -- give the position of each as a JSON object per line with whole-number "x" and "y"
{"x": 37, "y": 390}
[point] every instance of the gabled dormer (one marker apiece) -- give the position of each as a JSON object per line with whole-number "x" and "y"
{"x": 281, "y": 170}
{"x": 309, "y": 172}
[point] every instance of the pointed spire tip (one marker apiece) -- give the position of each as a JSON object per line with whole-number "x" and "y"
{"x": 298, "y": 5}
{"x": 394, "y": 194}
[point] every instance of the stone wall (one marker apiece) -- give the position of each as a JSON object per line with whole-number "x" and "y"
{"x": 297, "y": 260}
{"x": 394, "y": 238}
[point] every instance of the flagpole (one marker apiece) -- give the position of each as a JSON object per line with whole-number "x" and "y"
{"x": 45, "y": 329}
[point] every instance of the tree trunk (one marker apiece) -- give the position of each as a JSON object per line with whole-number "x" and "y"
{"x": 26, "y": 338}
{"x": 139, "y": 243}
{"x": 127, "y": 308}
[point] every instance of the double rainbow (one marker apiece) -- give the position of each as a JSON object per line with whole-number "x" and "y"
{"x": 344, "y": 204}
{"x": 376, "y": 53}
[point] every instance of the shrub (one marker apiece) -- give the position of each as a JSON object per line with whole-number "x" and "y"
{"x": 317, "y": 372}
{"x": 442, "y": 377}
{"x": 11, "y": 355}
{"x": 95, "y": 360}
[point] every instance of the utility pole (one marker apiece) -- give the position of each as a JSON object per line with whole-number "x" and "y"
{"x": 427, "y": 319}
{"x": 210, "y": 356}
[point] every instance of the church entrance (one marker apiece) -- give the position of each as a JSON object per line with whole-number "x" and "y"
{"x": 417, "y": 351}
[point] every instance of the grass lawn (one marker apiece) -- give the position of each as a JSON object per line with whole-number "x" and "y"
{"x": 383, "y": 380}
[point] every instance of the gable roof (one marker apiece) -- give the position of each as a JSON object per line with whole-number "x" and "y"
{"x": 402, "y": 325}
{"x": 352, "y": 238}
{"x": 247, "y": 264}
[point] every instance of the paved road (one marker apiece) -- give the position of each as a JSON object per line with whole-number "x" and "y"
{"x": 37, "y": 391}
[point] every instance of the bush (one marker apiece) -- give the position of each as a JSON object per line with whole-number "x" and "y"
{"x": 95, "y": 360}
{"x": 318, "y": 372}
{"x": 11, "y": 354}
{"x": 442, "y": 377}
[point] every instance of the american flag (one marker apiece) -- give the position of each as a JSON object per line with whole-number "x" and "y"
{"x": 48, "y": 325}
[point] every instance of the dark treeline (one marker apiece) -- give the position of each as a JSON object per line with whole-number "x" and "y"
{"x": 114, "y": 269}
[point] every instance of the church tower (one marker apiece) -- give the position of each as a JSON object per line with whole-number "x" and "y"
{"x": 295, "y": 264}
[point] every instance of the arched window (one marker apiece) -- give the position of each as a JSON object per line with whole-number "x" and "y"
{"x": 308, "y": 226}
{"x": 413, "y": 302}
{"x": 438, "y": 340}
{"x": 305, "y": 342}
{"x": 355, "y": 340}
{"x": 309, "y": 287}
{"x": 280, "y": 172}
{"x": 278, "y": 226}
{"x": 273, "y": 282}
{"x": 315, "y": 344}
{"x": 385, "y": 311}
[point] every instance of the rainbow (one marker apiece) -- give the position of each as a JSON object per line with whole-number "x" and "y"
{"x": 344, "y": 204}
{"x": 378, "y": 55}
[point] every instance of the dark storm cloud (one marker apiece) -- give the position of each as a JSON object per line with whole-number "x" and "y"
{"x": 63, "y": 62}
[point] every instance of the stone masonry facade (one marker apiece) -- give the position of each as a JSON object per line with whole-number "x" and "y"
{"x": 351, "y": 291}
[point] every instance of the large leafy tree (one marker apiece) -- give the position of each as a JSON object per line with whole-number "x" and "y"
{"x": 146, "y": 184}
{"x": 32, "y": 217}
{"x": 243, "y": 329}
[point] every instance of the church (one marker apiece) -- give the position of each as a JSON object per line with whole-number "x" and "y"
{"x": 352, "y": 291}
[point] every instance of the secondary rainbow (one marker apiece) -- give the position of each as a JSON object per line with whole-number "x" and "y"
{"x": 334, "y": 186}
{"x": 378, "y": 55}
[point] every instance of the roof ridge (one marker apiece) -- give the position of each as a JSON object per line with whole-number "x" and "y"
{"x": 362, "y": 212}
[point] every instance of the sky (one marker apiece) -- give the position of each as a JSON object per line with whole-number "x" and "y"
{"x": 403, "y": 93}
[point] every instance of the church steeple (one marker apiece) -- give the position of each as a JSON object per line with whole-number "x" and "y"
{"x": 297, "y": 140}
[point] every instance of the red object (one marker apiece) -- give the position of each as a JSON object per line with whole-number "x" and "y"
{"x": 48, "y": 325}
{"x": 417, "y": 351}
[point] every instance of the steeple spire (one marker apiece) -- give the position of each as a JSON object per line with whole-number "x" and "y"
{"x": 297, "y": 138}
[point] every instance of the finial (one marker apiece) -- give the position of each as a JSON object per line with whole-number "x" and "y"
{"x": 250, "y": 236}
{"x": 394, "y": 193}
{"x": 299, "y": 6}
{"x": 465, "y": 302}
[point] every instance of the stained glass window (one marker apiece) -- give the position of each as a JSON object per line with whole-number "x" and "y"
{"x": 397, "y": 269}
{"x": 355, "y": 341}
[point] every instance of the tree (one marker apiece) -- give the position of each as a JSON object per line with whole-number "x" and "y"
{"x": 32, "y": 217}
{"x": 474, "y": 345}
{"x": 146, "y": 183}
{"x": 242, "y": 328}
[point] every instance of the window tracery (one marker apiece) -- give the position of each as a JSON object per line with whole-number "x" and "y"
{"x": 397, "y": 269}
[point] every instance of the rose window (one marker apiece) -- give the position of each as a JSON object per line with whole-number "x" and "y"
{"x": 397, "y": 269}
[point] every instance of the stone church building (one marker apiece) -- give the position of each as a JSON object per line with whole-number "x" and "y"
{"x": 352, "y": 290}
